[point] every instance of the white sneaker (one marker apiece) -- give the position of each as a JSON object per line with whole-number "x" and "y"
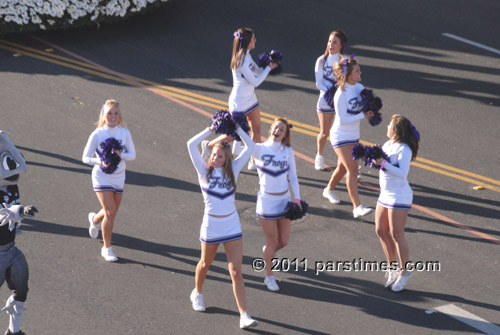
{"x": 330, "y": 195}
{"x": 400, "y": 283}
{"x": 246, "y": 321}
{"x": 361, "y": 210}
{"x": 271, "y": 284}
{"x": 319, "y": 162}
{"x": 391, "y": 277}
{"x": 108, "y": 254}
{"x": 93, "y": 229}
{"x": 197, "y": 301}
{"x": 205, "y": 150}
{"x": 251, "y": 165}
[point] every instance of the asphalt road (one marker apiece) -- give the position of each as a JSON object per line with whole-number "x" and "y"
{"x": 448, "y": 89}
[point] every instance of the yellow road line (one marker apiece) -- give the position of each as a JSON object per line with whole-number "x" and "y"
{"x": 451, "y": 168}
{"x": 456, "y": 176}
{"x": 219, "y": 104}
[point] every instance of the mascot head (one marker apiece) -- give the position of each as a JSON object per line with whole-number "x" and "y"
{"x": 12, "y": 163}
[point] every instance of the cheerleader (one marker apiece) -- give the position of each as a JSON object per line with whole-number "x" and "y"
{"x": 247, "y": 75}
{"x": 221, "y": 224}
{"x": 345, "y": 134}
{"x": 325, "y": 80}
{"x": 275, "y": 163}
{"x": 396, "y": 197}
{"x": 108, "y": 186}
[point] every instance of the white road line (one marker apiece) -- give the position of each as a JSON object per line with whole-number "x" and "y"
{"x": 469, "y": 319}
{"x": 479, "y": 45}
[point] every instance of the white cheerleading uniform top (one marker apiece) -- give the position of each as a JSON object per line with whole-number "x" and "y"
{"x": 275, "y": 163}
{"x": 393, "y": 178}
{"x": 120, "y": 133}
{"x": 245, "y": 79}
{"x": 346, "y": 123}
{"x": 323, "y": 73}
{"x": 218, "y": 195}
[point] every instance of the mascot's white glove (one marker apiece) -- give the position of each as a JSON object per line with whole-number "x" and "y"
{"x": 11, "y": 215}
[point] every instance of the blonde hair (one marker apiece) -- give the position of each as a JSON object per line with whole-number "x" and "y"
{"x": 227, "y": 168}
{"x": 242, "y": 38}
{"x": 338, "y": 69}
{"x": 286, "y": 139}
{"x": 108, "y": 104}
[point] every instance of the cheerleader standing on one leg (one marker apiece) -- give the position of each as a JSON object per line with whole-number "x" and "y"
{"x": 275, "y": 163}
{"x": 221, "y": 223}
{"x": 396, "y": 197}
{"x": 325, "y": 79}
{"x": 247, "y": 75}
{"x": 108, "y": 187}
{"x": 345, "y": 134}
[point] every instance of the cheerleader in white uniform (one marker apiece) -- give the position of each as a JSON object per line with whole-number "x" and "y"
{"x": 221, "y": 224}
{"x": 108, "y": 187}
{"x": 345, "y": 134}
{"x": 247, "y": 75}
{"x": 396, "y": 197}
{"x": 325, "y": 79}
{"x": 275, "y": 163}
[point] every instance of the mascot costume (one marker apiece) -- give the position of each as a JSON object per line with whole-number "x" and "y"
{"x": 13, "y": 265}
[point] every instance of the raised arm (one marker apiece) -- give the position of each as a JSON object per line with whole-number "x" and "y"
{"x": 245, "y": 154}
{"x": 88, "y": 153}
{"x": 199, "y": 163}
{"x": 404, "y": 159}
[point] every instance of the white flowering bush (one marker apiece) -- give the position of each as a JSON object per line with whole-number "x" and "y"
{"x": 29, "y": 15}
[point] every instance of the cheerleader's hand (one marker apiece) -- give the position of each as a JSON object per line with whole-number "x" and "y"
{"x": 273, "y": 65}
{"x": 297, "y": 201}
{"x": 369, "y": 114}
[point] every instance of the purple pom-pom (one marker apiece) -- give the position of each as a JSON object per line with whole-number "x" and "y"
{"x": 373, "y": 153}
{"x": 108, "y": 154}
{"x": 294, "y": 212}
{"x": 376, "y": 119}
{"x": 241, "y": 120}
{"x": 358, "y": 151}
{"x": 372, "y": 103}
{"x": 223, "y": 123}
{"x": 227, "y": 123}
{"x": 274, "y": 56}
{"x": 329, "y": 95}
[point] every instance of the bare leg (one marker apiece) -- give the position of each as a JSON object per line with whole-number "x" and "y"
{"x": 384, "y": 233}
{"x": 284, "y": 227}
{"x": 234, "y": 254}
{"x": 345, "y": 156}
{"x": 110, "y": 202}
{"x": 397, "y": 222}
{"x": 325, "y": 123}
{"x": 337, "y": 175}
{"x": 270, "y": 228}
{"x": 208, "y": 252}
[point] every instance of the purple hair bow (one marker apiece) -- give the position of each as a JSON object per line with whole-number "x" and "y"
{"x": 238, "y": 35}
{"x": 415, "y": 132}
{"x": 344, "y": 64}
